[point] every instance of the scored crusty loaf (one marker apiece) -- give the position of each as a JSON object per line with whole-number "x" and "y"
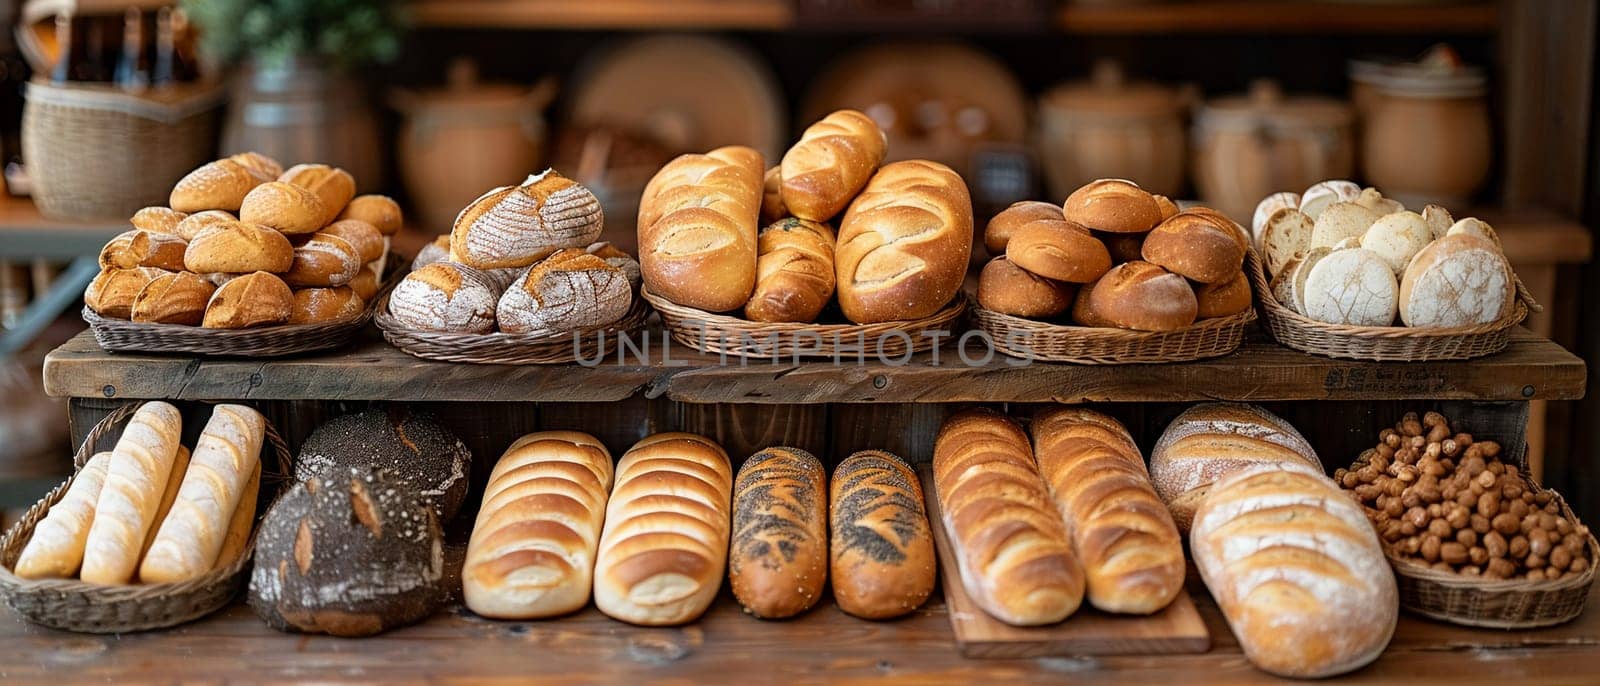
{"x": 1006, "y": 288}
{"x": 997, "y": 234}
{"x": 138, "y": 248}
{"x": 1114, "y": 206}
{"x": 1138, "y": 296}
{"x": 445, "y": 296}
{"x": 1199, "y": 246}
{"x": 516, "y": 226}
{"x": 369, "y": 244}
{"x": 56, "y": 548}
{"x": 880, "y": 553}
{"x": 193, "y": 224}
{"x": 772, "y": 208}
{"x": 1222, "y": 299}
{"x": 161, "y": 220}
{"x": 381, "y": 211}
{"x": 313, "y": 305}
{"x": 904, "y": 243}
{"x": 436, "y": 250}
{"x": 1297, "y": 570}
{"x": 255, "y": 299}
{"x": 1211, "y": 440}
{"x": 1458, "y": 280}
{"x": 238, "y": 247}
{"x": 1011, "y": 545}
{"x": 190, "y": 538}
{"x": 665, "y": 543}
{"x": 567, "y": 291}
{"x": 697, "y": 229}
{"x": 173, "y": 298}
{"x": 1058, "y": 249}
{"x": 333, "y": 186}
{"x": 616, "y": 257}
{"x": 284, "y": 206}
{"x": 1131, "y": 551}
{"x": 223, "y": 184}
{"x": 325, "y": 260}
{"x": 794, "y": 272}
{"x": 830, "y": 164}
{"x": 141, "y": 463}
{"x": 1168, "y": 207}
{"x": 113, "y": 291}
{"x": 533, "y": 544}
{"x": 778, "y": 553}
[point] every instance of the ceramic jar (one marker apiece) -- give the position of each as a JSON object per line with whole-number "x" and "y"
{"x": 1425, "y": 128}
{"x": 1107, "y": 127}
{"x": 1248, "y": 147}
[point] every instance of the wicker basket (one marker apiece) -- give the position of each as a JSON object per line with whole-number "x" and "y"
{"x": 590, "y": 343}
{"x": 121, "y": 335}
{"x": 722, "y": 334}
{"x": 1387, "y": 343}
{"x": 91, "y": 608}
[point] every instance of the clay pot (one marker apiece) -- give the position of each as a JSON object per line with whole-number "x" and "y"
{"x": 1248, "y": 147}
{"x": 1425, "y": 129}
{"x": 305, "y": 111}
{"x": 1108, "y": 127}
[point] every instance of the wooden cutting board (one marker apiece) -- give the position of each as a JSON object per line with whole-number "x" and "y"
{"x": 1177, "y": 629}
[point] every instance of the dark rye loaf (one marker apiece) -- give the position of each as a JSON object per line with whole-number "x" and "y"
{"x": 414, "y": 446}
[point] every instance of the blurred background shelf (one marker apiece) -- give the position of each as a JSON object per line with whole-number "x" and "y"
{"x": 586, "y": 14}
{"x": 26, "y": 234}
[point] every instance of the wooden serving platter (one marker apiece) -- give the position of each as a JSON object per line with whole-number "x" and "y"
{"x": 1178, "y": 629}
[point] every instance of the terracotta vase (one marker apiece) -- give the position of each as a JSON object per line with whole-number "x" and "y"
{"x": 305, "y": 111}
{"x": 1109, "y": 128}
{"x": 1425, "y": 128}
{"x": 1246, "y": 148}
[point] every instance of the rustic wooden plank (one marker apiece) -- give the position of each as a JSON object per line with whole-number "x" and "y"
{"x": 1545, "y": 86}
{"x": 611, "y": 14}
{"x": 905, "y": 429}
{"x": 744, "y": 429}
{"x": 1274, "y": 17}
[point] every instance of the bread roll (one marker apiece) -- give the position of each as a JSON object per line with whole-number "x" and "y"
{"x": 1222, "y": 299}
{"x": 619, "y": 259}
{"x": 56, "y": 548}
{"x": 113, "y": 292}
{"x": 697, "y": 229}
{"x": 364, "y": 237}
{"x": 256, "y": 299}
{"x": 1008, "y": 289}
{"x": 1288, "y": 233}
{"x": 1351, "y": 286}
{"x": 569, "y": 290}
{"x": 1371, "y": 199}
{"x": 778, "y": 557}
{"x": 190, "y": 538}
{"x": 223, "y": 184}
{"x": 159, "y": 220}
{"x": 1323, "y": 195}
{"x": 1339, "y": 221}
{"x": 1268, "y": 207}
{"x": 285, "y": 207}
{"x": 238, "y": 248}
{"x": 1474, "y": 227}
{"x": 366, "y": 282}
{"x": 1058, "y": 249}
{"x": 1397, "y": 238}
{"x": 381, "y": 211}
{"x": 1297, "y": 571}
{"x": 1131, "y": 551}
{"x": 665, "y": 543}
{"x": 516, "y": 226}
{"x": 445, "y": 296}
{"x": 794, "y": 272}
{"x": 324, "y": 261}
{"x": 314, "y": 305}
{"x": 412, "y": 448}
{"x": 1211, "y": 440}
{"x": 880, "y": 554}
{"x": 193, "y": 224}
{"x": 1015, "y": 557}
{"x": 904, "y": 243}
{"x": 1113, "y": 205}
{"x": 173, "y": 298}
{"x": 533, "y": 544}
{"x": 1459, "y": 280}
{"x": 1438, "y": 220}
{"x": 143, "y": 249}
{"x": 830, "y": 164}
{"x": 997, "y": 234}
{"x": 772, "y": 208}
{"x": 1138, "y": 296}
{"x": 140, "y": 465}
{"x": 1200, "y": 246}
{"x": 333, "y": 186}
{"x": 437, "y": 250}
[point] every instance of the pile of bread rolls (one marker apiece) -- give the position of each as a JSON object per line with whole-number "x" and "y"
{"x": 650, "y": 540}
{"x": 246, "y": 243}
{"x": 1342, "y": 254}
{"x": 1115, "y": 256}
{"x": 904, "y": 229}
{"x": 150, "y": 511}
{"x": 520, "y": 259}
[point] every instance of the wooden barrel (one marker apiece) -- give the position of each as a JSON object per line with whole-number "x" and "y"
{"x": 305, "y": 112}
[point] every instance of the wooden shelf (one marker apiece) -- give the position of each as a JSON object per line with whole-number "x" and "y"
{"x": 1532, "y": 368}
{"x": 26, "y": 234}
{"x": 603, "y": 14}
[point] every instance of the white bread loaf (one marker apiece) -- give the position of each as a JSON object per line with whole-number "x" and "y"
{"x": 830, "y": 164}
{"x": 1351, "y": 286}
{"x": 136, "y": 481}
{"x": 1287, "y": 233}
{"x": 1323, "y": 195}
{"x": 904, "y": 243}
{"x": 1397, "y": 238}
{"x": 697, "y": 228}
{"x": 567, "y": 291}
{"x": 1371, "y": 199}
{"x": 55, "y": 550}
{"x": 1211, "y": 440}
{"x": 189, "y": 540}
{"x": 532, "y": 550}
{"x": 1459, "y": 280}
{"x": 1297, "y": 570}
{"x": 243, "y": 521}
{"x": 1474, "y": 226}
{"x": 1438, "y": 220}
{"x": 169, "y": 495}
{"x": 1339, "y": 221}
{"x": 516, "y": 226}
{"x": 665, "y": 543}
{"x": 1268, "y": 207}
{"x": 778, "y": 554}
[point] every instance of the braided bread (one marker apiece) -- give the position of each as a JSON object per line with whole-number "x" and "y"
{"x": 794, "y": 274}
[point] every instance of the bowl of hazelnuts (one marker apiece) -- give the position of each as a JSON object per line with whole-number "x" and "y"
{"x": 1472, "y": 539}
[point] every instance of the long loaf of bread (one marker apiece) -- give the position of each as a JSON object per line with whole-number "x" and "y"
{"x": 533, "y": 545}
{"x": 778, "y": 558}
{"x": 904, "y": 243}
{"x": 697, "y": 228}
{"x": 56, "y": 548}
{"x": 136, "y": 481}
{"x": 243, "y": 521}
{"x": 189, "y": 540}
{"x": 881, "y": 553}
{"x": 830, "y": 163}
{"x": 1296, "y": 569}
{"x": 1131, "y": 551}
{"x": 169, "y": 495}
{"x": 1210, "y": 441}
{"x": 794, "y": 274}
{"x": 1011, "y": 545}
{"x": 665, "y": 543}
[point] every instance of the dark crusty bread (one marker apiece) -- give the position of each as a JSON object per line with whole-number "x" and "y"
{"x": 421, "y": 452}
{"x": 778, "y": 555}
{"x": 881, "y": 553}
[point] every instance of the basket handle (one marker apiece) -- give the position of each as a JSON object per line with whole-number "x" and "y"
{"x": 1526, "y": 297}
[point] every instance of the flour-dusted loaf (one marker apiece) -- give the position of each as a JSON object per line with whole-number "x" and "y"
{"x": 191, "y": 536}
{"x": 794, "y": 272}
{"x": 238, "y": 248}
{"x": 904, "y": 243}
{"x": 254, "y": 299}
{"x": 223, "y": 184}
{"x": 1438, "y": 220}
{"x": 324, "y": 261}
{"x": 445, "y": 296}
{"x": 1138, "y": 296}
{"x": 381, "y": 211}
{"x": 1397, "y": 238}
{"x": 1297, "y": 570}
{"x": 665, "y": 543}
{"x": 436, "y": 250}
{"x": 173, "y": 298}
{"x": 352, "y": 553}
{"x": 1131, "y": 551}
{"x": 1474, "y": 226}
{"x": 1290, "y": 285}
{"x": 778, "y": 553}
{"x": 333, "y": 186}
{"x": 997, "y": 234}
{"x": 567, "y": 291}
{"x": 55, "y": 550}
{"x": 1339, "y": 221}
{"x": 136, "y": 480}
{"x": 418, "y": 451}
{"x": 113, "y": 292}
{"x": 830, "y": 164}
{"x": 364, "y": 237}
{"x": 284, "y": 206}
{"x": 1114, "y": 206}
{"x": 532, "y": 550}
{"x": 1268, "y": 207}
{"x": 1211, "y": 440}
{"x": 1323, "y": 195}
{"x": 516, "y": 226}
{"x": 1458, "y": 280}
{"x": 193, "y": 224}
{"x": 1008, "y": 289}
{"x": 1287, "y": 234}
{"x": 880, "y": 553}
{"x": 697, "y": 228}
{"x": 159, "y": 220}
{"x": 1351, "y": 286}
{"x": 1011, "y": 544}
{"x": 313, "y": 305}
{"x": 138, "y": 248}
{"x": 1059, "y": 250}
{"x": 618, "y": 258}
{"x": 1201, "y": 246}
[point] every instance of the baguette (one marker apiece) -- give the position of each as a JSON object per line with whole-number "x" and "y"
{"x": 190, "y": 539}
{"x": 169, "y": 495}
{"x": 830, "y": 164}
{"x": 243, "y": 521}
{"x": 881, "y": 554}
{"x": 55, "y": 551}
{"x": 794, "y": 273}
{"x": 904, "y": 243}
{"x": 141, "y": 464}
{"x": 778, "y": 560}
{"x": 697, "y": 229}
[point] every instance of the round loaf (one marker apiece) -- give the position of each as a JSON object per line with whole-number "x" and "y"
{"x": 445, "y": 296}
{"x": 516, "y": 226}
{"x": 904, "y": 243}
{"x": 1268, "y": 207}
{"x": 830, "y": 164}
{"x": 1211, "y": 440}
{"x": 1058, "y": 249}
{"x": 238, "y": 247}
{"x": 1224, "y": 298}
{"x": 1352, "y": 286}
{"x": 1339, "y": 221}
{"x": 255, "y": 299}
{"x": 880, "y": 552}
{"x": 772, "y": 208}
{"x": 366, "y": 282}
{"x": 223, "y": 184}
{"x": 567, "y": 291}
{"x": 112, "y": 292}
{"x": 193, "y": 224}
{"x": 1113, "y": 205}
{"x": 315, "y": 305}
{"x": 284, "y": 206}
{"x": 437, "y": 250}
{"x": 1008, "y": 289}
{"x": 794, "y": 272}
{"x": 1397, "y": 238}
{"x": 381, "y": 211}
{"x": 175, "y": 298}
{"x": 1199, "y": 246}
{"x": 333, "y": 186}
{"x": 778, "y": 552}
{"x": 1000, "y": 229}
{"x": 138, "y": 248}
{"x": 1474, "y": 226}
{"x": 1458, "y": 280}
{"x": 366, "y": 239}
{"x": 162, "y": 220}
{"x": 1168, "y": 207}
{"x": 1138, "y": 296}
{"x": 1438, "y": 220}
{"x": 422, "y": 455}
{"x": 619, "y": 259}
{"x": 1323, "y": 195}
{"x": 325, "y": 260}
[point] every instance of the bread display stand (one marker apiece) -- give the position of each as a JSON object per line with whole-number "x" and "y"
{"x": 724, "y": 334}
{"x": 534, "y": 347}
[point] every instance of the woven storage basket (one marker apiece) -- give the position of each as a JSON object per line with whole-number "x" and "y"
{"x": 1387, "y": 343}
{"x": 722, "y": 334}
{"x": 121, "y": 335}
{"x": 91, "y": 608}
{"x": 590, "y": 343}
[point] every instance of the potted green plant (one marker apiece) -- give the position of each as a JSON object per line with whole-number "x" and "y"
{"x": 294, "y": 97}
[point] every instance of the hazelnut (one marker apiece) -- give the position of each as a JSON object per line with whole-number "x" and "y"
{"x": 1561, "y": 559}
{"x": 1518, "y": 547}
{"x": 1478, "y": 555}
{"x": 1384, "y": 451}
{"x": 1485, "y": 480}
{"x": 1534, "y": 562}
{"x": 1392, "y": 439}
{"x": 1432, "y": 419}
{"x": 1489, "y": 504}
{"x": 1511, "y": 491}
{"x": 1471, "y": 570}
{"x": 1467, "y": 537}
{"x": 1547, "y": 521}
{"x": 1538, "y": 543}
{"x": 1563, "y": 526}
{"x": 1417, "y": 442}
{"x": 1480, "y": 524}
{"x": 1417, "y": 517}
{"x": 1496, "y": 468}
{"x": 1438, "y": 433}
{"x": 1453, "y": 553}
{"x": 1394, "y": 508}
{"x": 1391, "y": 532}
{"x": 1500, "y": 568}
{"x": 1467, "y": 498}
{"x": 1367, "y": 492}
{"x": 1518, "y": 509}
{"x": 1440, "y": 528}
{"x": 1384, "y": 435}
{"x": 1506, "y": 523}
{"x": 1579, "y": 565}
{"x": 1490, "y": 448}
{"x": 1450, "y": 447}
{"x": 1411, "y": 544}
{"x": 1552, "y": 573}
{"x": 1410, "y": 425}
{"x": 1535, "y": 575}
{"x": 1543, "y": 498}
{"x": 1430, "y": 548}
{"x": 1407, "y": 528}
{"x": 1462, "y": 440}
{"x": 1529, "y": 522}
{"x": 1394, "y": 487}
{"x": 1495, "y": 544}
{"x": 1408, "y": 473}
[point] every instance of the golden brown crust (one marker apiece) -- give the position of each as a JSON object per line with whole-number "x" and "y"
{"x": 1138, "y": 296}
{"x": 1223, "y": 299}
{"x": 111, "y": 294}
{"x": 238, "y": 247}
{"x": 830, "y": 164}
{"x": 193, "y": 224}
{"x": 313, "y": 305}
{"x": 323, "y": 261}
{"x": 256, "y": 299}
{"x": 223, "y": 184}
{"x": 794, "y": 273}
{"x": 1113, "y": 205}
{"x": 163, "y": 220}
{"x": 333, "y": 186}
{"x": 778, "y": 552}
{"x": 904, "y": 243}
{"x": 176, "y": 298}
{"x": 1199, "y": 245}
{"x": 1058, "y": 249}
{"x": 1006, "y": 288}
{"x": 366, "y": 282}
{"x": 881, "y": 557}
{"x": 697, "y": 229}
{"x": 772, "y": 208}
{"x": 381, "y": 211}
{"x": 1000, "y": 229}
{"x": 139, "y": 248}
{"x": 365, "y": 237}
{"x": 284, "y": 206}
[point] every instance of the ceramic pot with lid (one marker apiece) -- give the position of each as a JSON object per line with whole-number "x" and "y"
{"x": 1425, "y": 127}
{"x": 1108, "y": 127}
{"x": 467, "y": 138}
{"x": 1248, "y": 147}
